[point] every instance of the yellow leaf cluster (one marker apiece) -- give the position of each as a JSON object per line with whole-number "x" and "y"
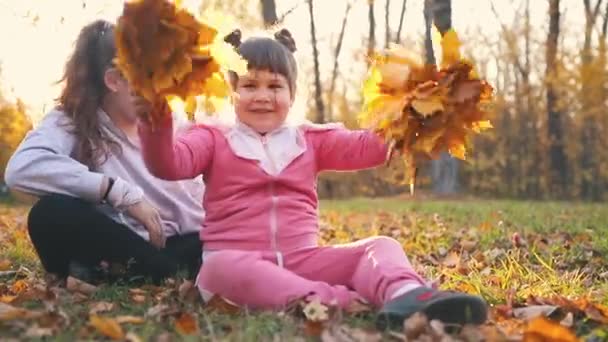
{"x": 167, "y": 53}
{"x": 422, "y": 110}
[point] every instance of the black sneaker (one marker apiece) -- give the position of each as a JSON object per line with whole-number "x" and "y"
{"x": 445, "y": 306}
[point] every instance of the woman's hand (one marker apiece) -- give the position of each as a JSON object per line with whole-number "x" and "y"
{"x": 145, "y": 213}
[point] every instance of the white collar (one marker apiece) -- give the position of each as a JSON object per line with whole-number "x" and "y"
{"x": 274, "y": 151}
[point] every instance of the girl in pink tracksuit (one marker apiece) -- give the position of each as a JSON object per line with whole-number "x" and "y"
{"x": 261, "y": 226}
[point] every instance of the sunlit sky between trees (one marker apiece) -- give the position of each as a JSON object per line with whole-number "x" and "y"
{"x": 37, "y": 35}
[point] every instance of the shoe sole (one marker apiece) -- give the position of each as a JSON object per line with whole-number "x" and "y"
{"x": 458, "y": 310}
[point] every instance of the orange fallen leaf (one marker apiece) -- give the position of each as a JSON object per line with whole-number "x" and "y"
{"x": 542, "y": 329}
{"x": 19, "y": 286}
{"x": 9, "y": 312}
{"x": 129, "y": 319}
{"x": 5, "y": 264}
{"x": 313, "y": 328}
{"x": 107, "y": 327}
{"x": 7, "y": 299}
{"x": 186, "y": 324}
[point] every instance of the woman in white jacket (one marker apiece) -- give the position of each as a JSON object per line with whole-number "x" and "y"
{"x": 98, "y": 202}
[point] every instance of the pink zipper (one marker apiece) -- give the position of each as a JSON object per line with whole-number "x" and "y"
{"x": 273, "y": 209}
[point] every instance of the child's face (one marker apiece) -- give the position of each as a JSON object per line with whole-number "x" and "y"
{"x": 263, "y": 100}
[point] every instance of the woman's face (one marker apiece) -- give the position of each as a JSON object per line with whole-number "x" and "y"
{"x": 120, "y": 95}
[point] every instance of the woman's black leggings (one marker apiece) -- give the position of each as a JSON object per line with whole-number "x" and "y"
{"x": 65, "y": 229}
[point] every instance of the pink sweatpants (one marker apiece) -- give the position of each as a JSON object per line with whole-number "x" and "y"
{"x": 372, "y": 269}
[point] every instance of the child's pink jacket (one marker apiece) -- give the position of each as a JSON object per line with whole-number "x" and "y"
{"x": 260, "y": 190}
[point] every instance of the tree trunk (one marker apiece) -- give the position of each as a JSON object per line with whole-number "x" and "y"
{"x": 589, "y": 154}
{"x": 444, "y": 171}
{"x": 442, "y": 15}
{"x": 398, "y": 36}
{"x": 320, "y": 107}
{"x": 387, "y": 26}
{"x": 334, "y": 72}
{"x": 554, "y": 117}
{"x": 428, "y": 24}
{"x": 371, "y": 43}
{"x": 269, "y": 13}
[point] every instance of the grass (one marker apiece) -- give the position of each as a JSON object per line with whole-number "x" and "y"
{"x": 511, "y": 252}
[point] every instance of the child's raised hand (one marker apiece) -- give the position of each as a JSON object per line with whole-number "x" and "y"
{"x": 151, "y": 113}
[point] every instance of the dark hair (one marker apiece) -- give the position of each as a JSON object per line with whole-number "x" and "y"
{"x": 275, "y": 55}
{"x": 84, "y": 89}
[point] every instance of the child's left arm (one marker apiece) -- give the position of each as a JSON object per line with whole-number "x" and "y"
{"x": 347, "y": 150}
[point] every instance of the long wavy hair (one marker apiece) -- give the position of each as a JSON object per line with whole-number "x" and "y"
{"x": 84, "y": 90}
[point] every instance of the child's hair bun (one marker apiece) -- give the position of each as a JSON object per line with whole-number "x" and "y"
{"x": 234, "y": 38}
{"x": 284, "y": 37}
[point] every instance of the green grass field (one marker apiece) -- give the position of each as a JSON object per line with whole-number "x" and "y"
{"x": 516, "y": 254}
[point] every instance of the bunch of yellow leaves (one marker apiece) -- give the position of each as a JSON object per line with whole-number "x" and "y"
{"x": 422, "y": 110}
{"x": 167, "y": 54}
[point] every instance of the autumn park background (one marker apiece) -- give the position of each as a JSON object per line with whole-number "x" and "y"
{"x": 522, "y": 221}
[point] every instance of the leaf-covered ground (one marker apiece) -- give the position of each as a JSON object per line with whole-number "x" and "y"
{"x": 528, "y": 259}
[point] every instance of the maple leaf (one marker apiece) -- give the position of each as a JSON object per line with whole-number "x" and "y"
{"x": 5, "y": 264}
{"x": 107, "y": 327}
{"x": 421, "y": 110}
{"x": 167, "y": 54}
{"x": 541, "y": 329}
{"x": 450, "y": 48}
{"x": 185, "y": 324}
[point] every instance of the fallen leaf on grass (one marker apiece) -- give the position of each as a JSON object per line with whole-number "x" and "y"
{"x": 129, "y": 319}
{"x": 19, "y": 286}
{"x": 139, "y": 299}
{"x": 77, "y": 285}
{"x": 7, "y": 299}
{"x": 542, "y": 329}
{"x": 138, "y": 291}
{"x": 414, "y": 326}
{"x": 5, "y": 264}
{"x": 186, "y": 324}
{"x": 9, "y": 312}
{"x": 35, "y": 331}
{"x": 132, "y": 337}
{"x": 188, "y": 291}
{"x": 107, "y": 327}
{"x": 531, "y": 312}
{"x": 568, "y": 321}
{"x": 452, "y": 260}
{"x": 99, "y": 307}
{"x": 160, "y": 310}
{"x": 220, "y": 305}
